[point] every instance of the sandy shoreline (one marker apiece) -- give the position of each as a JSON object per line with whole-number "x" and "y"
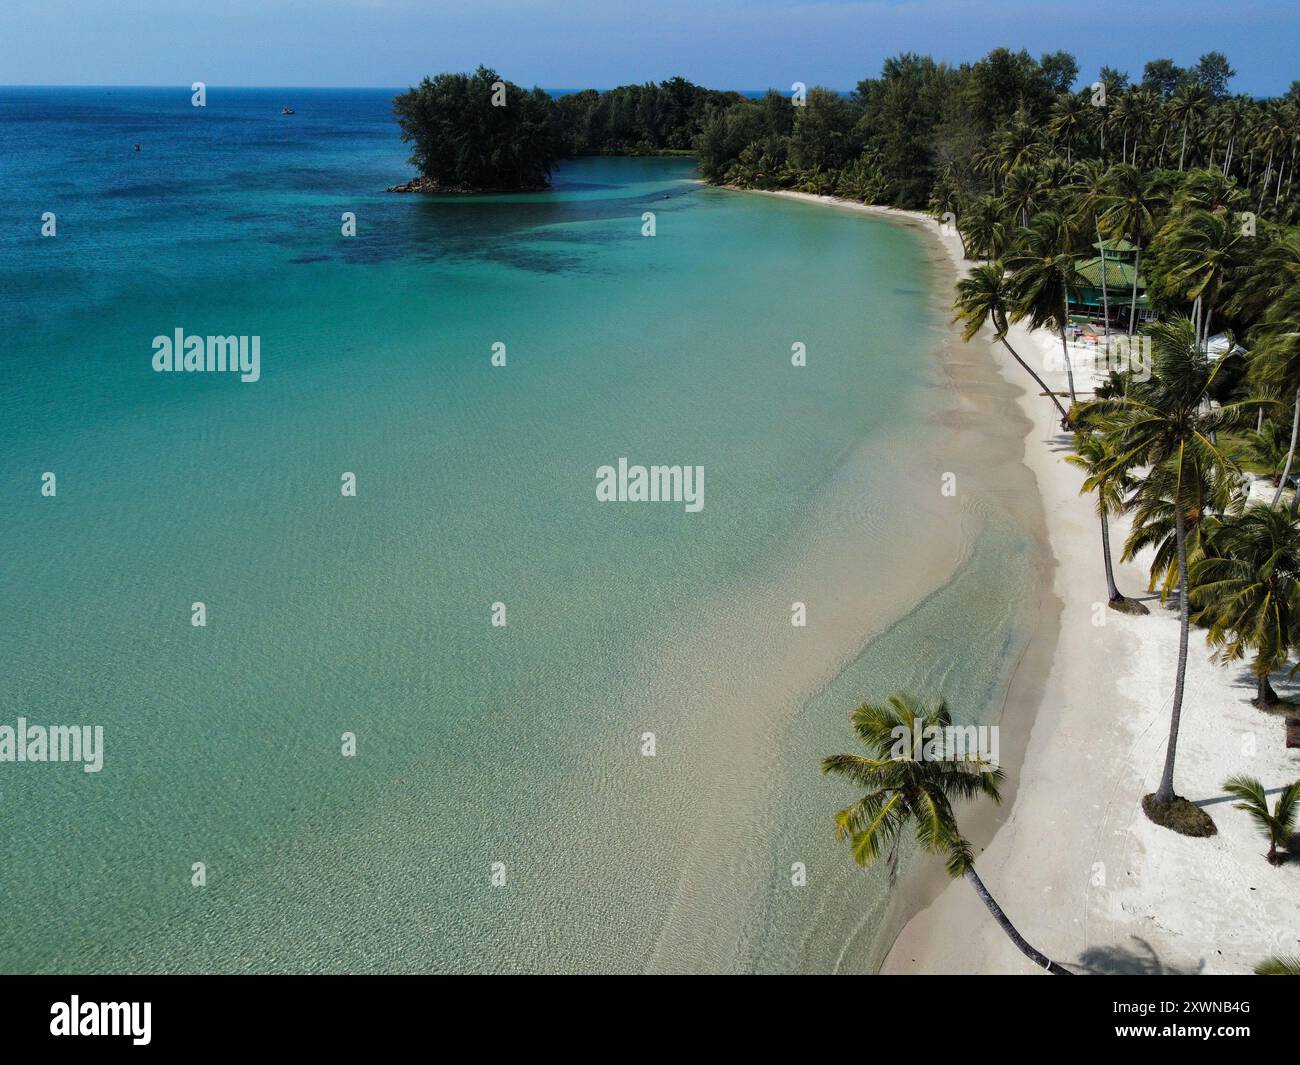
{"x": 1069, "y": 855}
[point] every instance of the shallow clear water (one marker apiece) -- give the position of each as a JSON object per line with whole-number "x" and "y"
{"x": 371, "y": 615}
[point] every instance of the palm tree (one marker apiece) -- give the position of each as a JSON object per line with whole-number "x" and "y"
{"x": 1279, "y": 965}
{"x": 1124, "y": 117}
{"x": 984, "y": 228}
{"x": 1131, "y": 216}
{"x": 1042, "y": 276}
{"x": 1209, "y": 190}
{"x": 1271, "y": 272}
{"x": 1266, "y": 450}
{"x": 982, "y": 296}
{"x": 1165, "y": 423}
{"x": 1275, "y": 367}
{"x": 1201, "y": 249}
{"x": 1021, "y": 193}
{"x": 1093, "y": 456}
{"x": 1278, "y": 825}
{"x": 1154, "y": 525}
{"x": 1247, "y": 586}
{"x": 911, "y": 774}
{"x": 1231, "y": 117}
{"x": 1146, "y": 115}
{"x": 1018, "y": 142}
{"x": 1186, "y": 108}
{"x": 1272, "y": 134}
{"x": 1069, "y": 121}
{"x": 1091, "y": 197}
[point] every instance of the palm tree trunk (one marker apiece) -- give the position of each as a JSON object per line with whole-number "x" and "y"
{"x": 1165, "y": 793}
{"x": 1265, "y": 695}
{"x": 1183, "y": 152}
{"x": 1037, "y": 957}
{"x": 1268, "y": 174}
{"x": 1065, "y": 416}
{"x": 1111, "y": 590}
{"x": 1290, "y": 454}
{"x": 1069, "y": 370}
{"x": 1133, "y": 310}
{"x": 1105, "y": 302}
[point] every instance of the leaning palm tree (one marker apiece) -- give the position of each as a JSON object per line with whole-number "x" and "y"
{"x": 1269, "y": 274}
{"x": 1277, "y": 825}
{"x": 1210, "y": 190}
{"x": 1279, "y": 965}
{"x": 1093, "y": 456}
{"x": 1043, "y": 273}
{"x": 1247, "y": 586}
{"x": 1165, "y": 423}
{"x": 982, "y": 296}
{"x": 911, "y": 774}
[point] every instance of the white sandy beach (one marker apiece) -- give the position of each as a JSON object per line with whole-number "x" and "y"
{"x": 1071, "y": 857}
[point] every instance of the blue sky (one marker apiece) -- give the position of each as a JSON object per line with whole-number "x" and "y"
{"x": 599, "y": 43}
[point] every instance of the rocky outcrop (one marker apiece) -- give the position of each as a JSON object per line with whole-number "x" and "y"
{"x": 424, "y": 184}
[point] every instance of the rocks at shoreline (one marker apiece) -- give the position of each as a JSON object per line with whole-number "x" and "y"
{"x": 424, "y": 184}
{"x": 420, "y": 184}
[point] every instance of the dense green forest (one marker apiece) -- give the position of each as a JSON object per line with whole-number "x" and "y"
{"x": 922, "y": 134}
{"x": 928, "y": 134}
{"x": 477, "y": 132}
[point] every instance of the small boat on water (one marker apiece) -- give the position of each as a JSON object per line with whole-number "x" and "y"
{"x": 287, "y": 111}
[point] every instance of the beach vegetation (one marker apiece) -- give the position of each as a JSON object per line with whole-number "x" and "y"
{"x": 1111, "y": 483}
{"x": 1166, "y": 425}
{"x": 1279, "y": 965}
{"x": 1246, "y": 586}
{"x": 914, "y": 788}
{"x": 984, "y": 298}
{"x": 1278, "y": 825}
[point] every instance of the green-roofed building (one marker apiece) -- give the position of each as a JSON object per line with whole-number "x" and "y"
{"x": 1118, "y": 260}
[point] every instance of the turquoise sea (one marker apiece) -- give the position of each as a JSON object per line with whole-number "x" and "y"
{"x": 515, "y": 748}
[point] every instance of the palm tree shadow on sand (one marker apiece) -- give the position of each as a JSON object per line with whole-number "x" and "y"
{"x": 1139, "y": 959}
